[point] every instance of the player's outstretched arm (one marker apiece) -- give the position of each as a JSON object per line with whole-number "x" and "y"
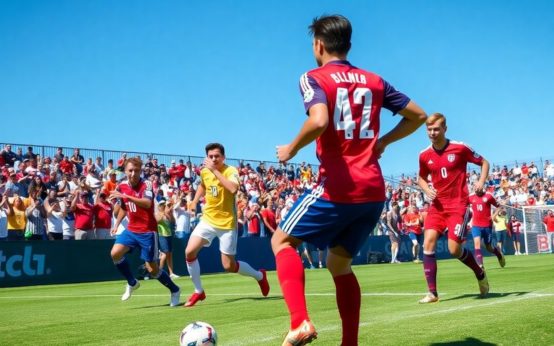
{"x": 413, "y": 118}
{"x": 313, "y": 127}
{"x": 484, "y": 175}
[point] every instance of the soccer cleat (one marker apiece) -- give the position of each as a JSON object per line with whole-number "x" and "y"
{"x": 484, "y": 286}
{"x": 304, "y": 334}
{"x": 264, "y": 284}
{"x": 174, "y": 299}
{"x": 502, "y": 261}
{"x": 194, "y": 298}
{"x": 129, "y": 291}
{"x": 174, "y": 276}
{"x": 429, "y": 298}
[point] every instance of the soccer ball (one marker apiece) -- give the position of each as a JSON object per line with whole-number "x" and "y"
{"x": 198, "y": 334}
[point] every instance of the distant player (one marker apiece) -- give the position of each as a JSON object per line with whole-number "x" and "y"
{"x": 343, "y": 104}
{"x": 412, "y": 222}
{"x": 446, "y": 162}
{"x": 393, "y": 221}
{"x": 481, "y": 225}
{"x": 219, "y": 185}
{"x": 515, "y": 228}
{"x": 136, "y": 197}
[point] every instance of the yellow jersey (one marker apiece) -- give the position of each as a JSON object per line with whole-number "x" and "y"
{"x": 219, "y": 210}
{"x": 500, "y": 224}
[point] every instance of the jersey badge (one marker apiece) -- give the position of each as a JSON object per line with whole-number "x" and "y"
{"x": 451, "y": 157}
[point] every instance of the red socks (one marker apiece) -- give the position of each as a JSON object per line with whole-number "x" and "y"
{"x": 290, "y": 272}
{"x": 349, "y": 299}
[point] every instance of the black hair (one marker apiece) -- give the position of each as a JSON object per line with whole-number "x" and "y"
{"x": 212, "y": 146}
{"x": 335, "y": 31}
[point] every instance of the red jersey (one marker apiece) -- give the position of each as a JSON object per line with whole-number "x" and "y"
{"x": 269, "y": 216}
{"x": 412, "y": 223}
{"x": 103, "y": 215}
{"x": 447, "y": 169}
{"x": 83, "y": 216}
{"x": 481, "y": 209}
{"x": 549, "y": 222}
{"x": 141, "y": 220}
{"x": 349, "y": 171}
{"x": 516, "y": 226}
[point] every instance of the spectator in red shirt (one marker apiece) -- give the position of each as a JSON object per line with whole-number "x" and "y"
{"x": 175, "y": 174}
{"x": 102, "y": 212}
{"x": 253, "y": 217}
{"x": 268, "y": 217}
{"x": 84, "y": 215}
{"x": 66, "y": 166}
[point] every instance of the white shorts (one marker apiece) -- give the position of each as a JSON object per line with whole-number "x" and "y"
{"x": 227, "y": 238}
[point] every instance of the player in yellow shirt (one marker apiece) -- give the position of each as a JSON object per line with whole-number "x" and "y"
{"x": 220, "y": 184}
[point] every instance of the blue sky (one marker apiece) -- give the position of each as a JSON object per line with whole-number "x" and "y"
{"x": 171, "y": 76}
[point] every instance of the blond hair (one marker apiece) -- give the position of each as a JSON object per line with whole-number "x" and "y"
{"x": 436, "y": 117}
{"x": 136, "y": 161}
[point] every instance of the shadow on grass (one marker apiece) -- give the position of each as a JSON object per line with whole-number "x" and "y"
{"x": 469, "y": 341}
{"x": 491, "y": 295}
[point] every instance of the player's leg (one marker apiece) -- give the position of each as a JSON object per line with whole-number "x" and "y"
{"x": 487, "y": 238}
{"x": 290, "y": 272}
{"x": 149, "y": 252}
{"x": 228, "y": 248}
{"x": 430, "y": 239}
{"x": 202, "y": 236}
{"x": 123, "y": 243}
{"x": 476, "y": 234}
{"x": 339, "y": 263}
{"x": 415, "y": 244}
{"x": 120, "y": 261}
{"x": 348, "y": 293}
{"x": 394, "y": 241}
{"x": 456, "y": 222}
{"x": 320, "y": 255}
{"x": 307, "y": 254}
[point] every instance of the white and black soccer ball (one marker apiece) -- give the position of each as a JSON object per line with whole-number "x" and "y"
{"x": 198, "y": 334}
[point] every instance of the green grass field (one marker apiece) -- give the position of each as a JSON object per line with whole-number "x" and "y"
{"x": 519, "y": 310}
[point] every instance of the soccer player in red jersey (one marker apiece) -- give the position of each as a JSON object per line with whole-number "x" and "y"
{"x": 481, "y": 225}
{"x": 412, "y": 221}
{"x": 515, "y": 228}
{"x": 343, "y": 104}
{"x": 136, "y": 198}
{"x": 445, "y": 162}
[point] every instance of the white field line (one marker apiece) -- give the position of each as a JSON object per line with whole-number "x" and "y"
{"x": 329, "y": 328}
{"x": 62, "y": 296}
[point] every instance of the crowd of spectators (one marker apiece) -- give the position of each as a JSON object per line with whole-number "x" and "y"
{"x": 65, "y": 196}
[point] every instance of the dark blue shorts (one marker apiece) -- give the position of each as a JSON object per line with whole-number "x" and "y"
{"x": 416, "y": 237}
{"x": 166, "y": 244}
{"x": 482, "y": 232}
{"x": 515, "y": 236}
{"x": 327, "y": 224}
{"x": 146, "y": 242}
{"x": 500, "y": 236}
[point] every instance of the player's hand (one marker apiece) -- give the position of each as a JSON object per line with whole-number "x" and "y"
{"x": 115, "y": 194}
{"x": 379, "y": 148}
{"x": 431, "y": 194}
{"x": 209, "y": 164}
{"x": 478, "y": 187}
{"x": 284, "y": 153}
{"x": 113, "y": 231}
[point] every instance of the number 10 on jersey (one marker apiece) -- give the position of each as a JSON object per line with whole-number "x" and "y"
{"x": 343, "y": 118}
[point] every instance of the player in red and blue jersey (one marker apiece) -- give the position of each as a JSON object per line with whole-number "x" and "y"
{"x": 137, "y": 203}
{"x": 444, "y": 165}
{"x": 481, "y": 225}
{"x": 343, "y": 104}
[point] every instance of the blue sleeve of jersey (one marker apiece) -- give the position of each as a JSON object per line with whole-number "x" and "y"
{"x": 394, "y": 100}
{"x": 311, "y": 92}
